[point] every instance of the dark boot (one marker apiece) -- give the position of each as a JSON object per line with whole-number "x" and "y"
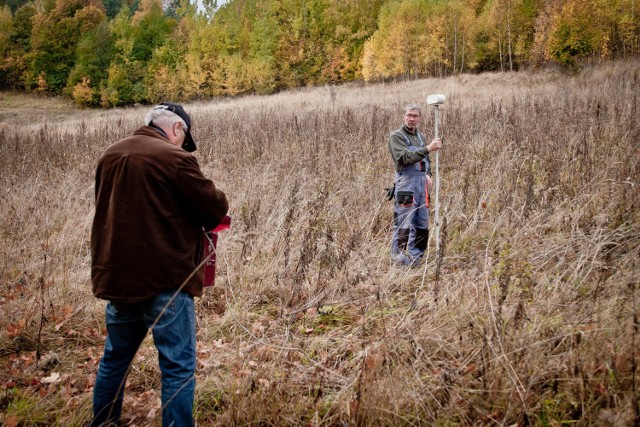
{"x": 422, "y": 237}
{"x": 403, "y": 238}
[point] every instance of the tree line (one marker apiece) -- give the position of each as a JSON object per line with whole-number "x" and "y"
{"x": 118, "y": 52}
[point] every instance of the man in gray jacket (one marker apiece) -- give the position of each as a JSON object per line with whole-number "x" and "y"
{"x": 410, "y": 155}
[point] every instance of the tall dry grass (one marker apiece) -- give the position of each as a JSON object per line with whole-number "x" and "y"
{"x": 534, "y": 319}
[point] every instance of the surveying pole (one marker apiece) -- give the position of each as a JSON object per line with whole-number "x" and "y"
{"x": 437, "y": 101}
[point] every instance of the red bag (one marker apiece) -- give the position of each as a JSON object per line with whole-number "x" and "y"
{"x": 210, "y": 244}
{"x": 426, "y": 190}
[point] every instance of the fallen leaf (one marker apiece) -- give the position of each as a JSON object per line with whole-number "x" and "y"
{"x": 11, "y": 330}
{"x": 51, "y": 379}
{"x": 91, "y": 380}
{"x": 28, "y": 359}
{"x": 371, "y": 362}
{"x": 66, "y": 391}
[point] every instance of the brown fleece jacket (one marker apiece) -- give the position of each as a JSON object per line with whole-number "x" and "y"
{"x": 152, "y": 202}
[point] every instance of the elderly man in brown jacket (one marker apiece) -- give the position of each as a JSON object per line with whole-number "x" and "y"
{"x": 152, "y": 203}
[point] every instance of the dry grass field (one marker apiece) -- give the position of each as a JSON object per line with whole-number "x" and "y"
{"x": 534, "y": 319}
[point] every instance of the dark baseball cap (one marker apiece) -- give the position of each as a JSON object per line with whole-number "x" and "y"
{"x": 189, "y": 144}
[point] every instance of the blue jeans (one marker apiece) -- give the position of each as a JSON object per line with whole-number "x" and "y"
{"x": 174, "y": 336}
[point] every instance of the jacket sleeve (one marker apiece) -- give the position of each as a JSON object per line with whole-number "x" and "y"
{"x": 401, "y": 154}
{"x": 203, "y": 200}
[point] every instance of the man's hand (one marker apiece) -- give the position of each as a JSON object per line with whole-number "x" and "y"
{"x": 435, "y": 145}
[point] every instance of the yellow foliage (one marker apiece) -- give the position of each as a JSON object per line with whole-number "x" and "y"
{"x": 236, "y": 80}
{"x": 82, "y": 92}
{"x": 411, "y": 39}
{"x": 6, "y": 26}
{"x": 42, "y": 83}
{"x": 144, "y": 8}
{"x": 108, "y": 97}
{"x": 261, "y": 75}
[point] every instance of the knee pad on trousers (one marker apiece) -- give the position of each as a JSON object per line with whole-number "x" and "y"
{"x": 422, "y": 237}
{"x": 403, "y": 238}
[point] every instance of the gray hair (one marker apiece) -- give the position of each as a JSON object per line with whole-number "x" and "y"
{"x": 163, "y": 118}
{"x": 412, "y": 107}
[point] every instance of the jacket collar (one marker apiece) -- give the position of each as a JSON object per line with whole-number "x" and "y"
{"x": 159, "y": 129}
{"x": 406, "y": 129}
{"x": 153, "y": 132}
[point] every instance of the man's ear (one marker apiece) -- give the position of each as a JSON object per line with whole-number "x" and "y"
{"x": 176, "y": 128}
